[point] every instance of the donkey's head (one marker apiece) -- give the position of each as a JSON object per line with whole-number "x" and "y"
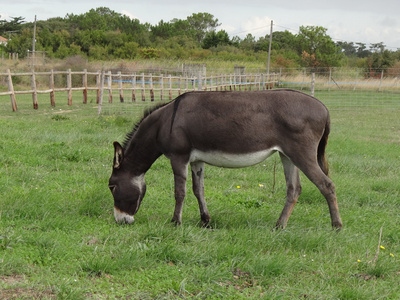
{"x": 128, "y": 189}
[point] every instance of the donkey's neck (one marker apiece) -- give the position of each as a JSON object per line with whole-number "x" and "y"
{"x": 142, "y": 150}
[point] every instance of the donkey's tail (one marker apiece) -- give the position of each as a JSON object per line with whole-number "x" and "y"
{"x": 323, "y": 163}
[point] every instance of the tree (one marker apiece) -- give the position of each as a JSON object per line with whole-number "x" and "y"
{"x": 128, "y": 51}
{"x": 283, "y": 40}
{"x": 101, "y": 18}
{"x": 201, "y": 24}
{"x": 380, "y": 61}
{"x": 20, "y": 43}
{"x": 316, "y": 48}
{"x": 12, "y": 26}
{"x": 162, "y": 30}
{"x": 213, "y": 39}
{"x": 248, "y": 43}
{"x": 362, "y": 51}
{"x": 181, "y": 27}
{"x": 348, "y": 49}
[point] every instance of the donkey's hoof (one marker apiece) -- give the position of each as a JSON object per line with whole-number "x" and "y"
{"x": 278, "y": 226}
{"x": 337, "y": 226}
{"x": 176, "y": 222}
{"x": 205, "y": 223}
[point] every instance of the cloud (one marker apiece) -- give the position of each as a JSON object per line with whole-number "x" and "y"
{"x": 228, "y": 28}
{"x": 389, "y": 22}
{"x": 129, "y": 14}
{"x": 257, "y": 26}
{"x": 4, "y": 16}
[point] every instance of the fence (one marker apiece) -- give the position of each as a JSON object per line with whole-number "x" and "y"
{"x": 37, "y": 88}
{"x": 140, "y": 86}
{"x": 337, "y": 88}
{"x": 347, "y": 88}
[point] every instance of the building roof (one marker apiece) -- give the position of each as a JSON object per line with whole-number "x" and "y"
{"x": 3, "y": 39}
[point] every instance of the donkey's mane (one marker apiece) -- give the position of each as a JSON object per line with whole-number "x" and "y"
{"x": 147, "y": 112}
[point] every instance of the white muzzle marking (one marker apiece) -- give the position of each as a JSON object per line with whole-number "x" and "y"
{"x": 121, "y": 217}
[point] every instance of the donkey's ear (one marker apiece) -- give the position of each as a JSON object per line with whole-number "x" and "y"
{"x": 118, "y": 155}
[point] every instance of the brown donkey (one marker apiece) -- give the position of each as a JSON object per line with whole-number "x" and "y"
{"x": 225, "y": 129}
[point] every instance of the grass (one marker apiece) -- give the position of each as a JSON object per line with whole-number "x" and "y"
{"x": 58, "y": 239}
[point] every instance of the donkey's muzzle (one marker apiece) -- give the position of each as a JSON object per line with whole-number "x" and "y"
{"x": 122, "y": 218}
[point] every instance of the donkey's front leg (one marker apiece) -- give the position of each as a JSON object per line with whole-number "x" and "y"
{"x": 198, "y": 190}
{"x": 180, "y": 175}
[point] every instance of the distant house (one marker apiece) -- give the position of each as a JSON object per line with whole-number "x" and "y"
{"x": 3, "y": 41}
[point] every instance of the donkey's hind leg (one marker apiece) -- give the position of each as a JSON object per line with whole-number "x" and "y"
{"x": 309, "y": 166}
{"x": 293, "y": 190}
{"x": 198, "y": 190}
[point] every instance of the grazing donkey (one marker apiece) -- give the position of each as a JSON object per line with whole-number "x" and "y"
{"x": 225, "y": 129}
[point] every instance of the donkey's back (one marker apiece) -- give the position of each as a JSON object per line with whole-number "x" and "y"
{"x": 246, "y": 122}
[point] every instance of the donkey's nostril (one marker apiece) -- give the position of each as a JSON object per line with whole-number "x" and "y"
{"x": 112, "y": 188}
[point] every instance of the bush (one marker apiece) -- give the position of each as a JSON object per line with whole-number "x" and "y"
{"x": 149, "y": 53}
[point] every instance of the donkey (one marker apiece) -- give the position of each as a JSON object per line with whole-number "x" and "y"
{"x": 230, "y": 130}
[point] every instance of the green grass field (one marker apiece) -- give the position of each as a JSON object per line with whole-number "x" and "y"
{"x": 58, "y": 238}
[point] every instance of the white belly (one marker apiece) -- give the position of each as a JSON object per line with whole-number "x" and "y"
{"x": 229, "y": 160}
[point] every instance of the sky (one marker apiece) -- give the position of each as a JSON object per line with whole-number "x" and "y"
{"x": 358, "y": 21}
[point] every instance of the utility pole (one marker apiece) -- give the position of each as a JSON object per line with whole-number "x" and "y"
{"x": 269, "y": 47}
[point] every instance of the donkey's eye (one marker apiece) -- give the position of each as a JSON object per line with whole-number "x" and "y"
{"x": 112, "y": 188}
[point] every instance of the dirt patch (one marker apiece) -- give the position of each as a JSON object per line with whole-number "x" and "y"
{"x": 13, "y": 289}
{"x": 60, "y": 112}
{"x": 12, "y": 280}
{"x": 25, "y": 293}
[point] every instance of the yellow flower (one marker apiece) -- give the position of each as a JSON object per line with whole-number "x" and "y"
{"x": 358, "y": 260}
{"x": 391, "y": 254}
{"x": 382, "y": 247}
{"x": 238, "y": 187}
{"x": 260, "y": 185}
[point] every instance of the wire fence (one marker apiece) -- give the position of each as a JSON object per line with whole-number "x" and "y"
{"x": 341, "y": 89}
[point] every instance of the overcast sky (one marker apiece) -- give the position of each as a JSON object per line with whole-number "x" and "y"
{"x": 365, "y": 21}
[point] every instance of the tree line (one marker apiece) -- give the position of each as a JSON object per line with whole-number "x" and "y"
{"x": 103, "y": 34}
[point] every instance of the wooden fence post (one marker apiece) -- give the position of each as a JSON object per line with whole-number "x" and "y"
{"x": 161, "y": 87}
{"x": 109, "y": 85}
{"x": 101, "y": 84}
{"x": 224, "y": 80}
{"x": 312, "y": 83}
{"x": 262, "y": 81}
{"x": 52, "y": 93}
{"x": 69, "y": 86}
{"x": 143, "y": 88}
{"x": 180, "y": 82}
{"x": 85, "y": 87}
{"x": 151, "y": 88}
{"x": 170, "y": 87}
{"x": 186, "y": 85}
{"x": 199, "y": 79}
{"x": 34, "y": 90}
{"x": 98, "y": 85}
{"x": 121, "y": 92}
{"x": 11, "y": 90}
{"x": 380, "y": 82}
{"x": 133, "y": 87}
